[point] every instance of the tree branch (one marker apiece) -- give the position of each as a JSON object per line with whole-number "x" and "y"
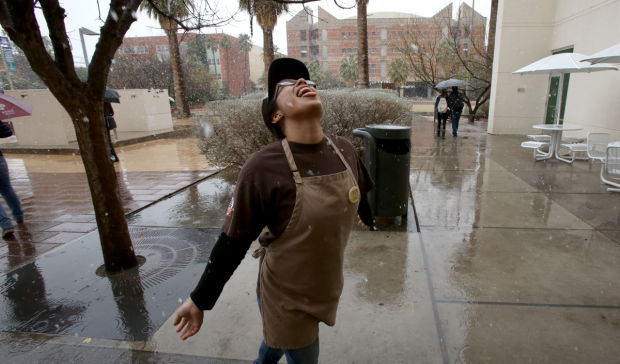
{"x": 55, "y": 18}
{"x": 26, "y": 34}
{"x": 121, "y": 15}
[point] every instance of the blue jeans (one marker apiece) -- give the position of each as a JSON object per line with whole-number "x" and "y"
{"x": 9, "y": 196}
{"x": 456, "y": 115}
{"x": 306, "y": 355}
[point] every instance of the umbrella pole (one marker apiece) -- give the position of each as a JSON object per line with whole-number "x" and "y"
{"x": 558, "y": 99}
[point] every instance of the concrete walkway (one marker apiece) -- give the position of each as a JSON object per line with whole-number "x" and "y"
{"x": 517, "y": 261}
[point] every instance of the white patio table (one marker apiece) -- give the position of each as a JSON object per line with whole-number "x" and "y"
{"x": 556, "y": 138}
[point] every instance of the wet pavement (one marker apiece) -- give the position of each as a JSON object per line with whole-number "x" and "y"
{"x": 516, "y": 261}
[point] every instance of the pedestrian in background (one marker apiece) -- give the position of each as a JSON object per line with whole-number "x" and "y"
{"x": 6, "y": 189}
{"x": 456, "y": 104}
{"x": 110, "y": 124}
{"x": 443, "y": 112}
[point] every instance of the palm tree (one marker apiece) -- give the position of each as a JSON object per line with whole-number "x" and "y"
{"x": 399, "y": 70}
{"x": 177, "y": 9}
{"x": 245, "y": 45}
{"x": 362, "y": 42}
{"x": 212, "y": 45}
{"x": 349, "y": 70}
{"x": 267, "y": 12}
{"x": 225, "y": 44}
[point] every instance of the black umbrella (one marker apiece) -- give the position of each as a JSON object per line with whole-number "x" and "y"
{"x": 111, "y": 96}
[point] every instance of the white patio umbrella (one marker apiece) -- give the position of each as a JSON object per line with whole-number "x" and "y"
{"x": 608, "y": 55}
{"x": 561, "y": 64}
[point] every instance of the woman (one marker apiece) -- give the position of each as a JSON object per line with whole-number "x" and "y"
{"x": 306, "y": 189}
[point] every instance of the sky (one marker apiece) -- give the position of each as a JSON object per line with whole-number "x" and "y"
{"x": 85, "y": 13}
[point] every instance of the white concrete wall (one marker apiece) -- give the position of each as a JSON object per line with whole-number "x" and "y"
{"x": 529, "y": 30}
{"x": 524, "y": 34}
{"x": 592, "y": 100}
{"x": 49, "y": 124}
{"x": 142, "y": 110}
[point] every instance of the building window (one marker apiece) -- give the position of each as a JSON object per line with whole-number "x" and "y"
{"x": 373, "y": 34}
{"x": 302, "y": 34}
{"x": 383, "y": 68}
{"x": 383, "y": 50}
{"x": 304, "y": 51}
{"x": 314, "y": 34}
{"x": 349, "y": 34}
{"x": 373, "y": 68}
{"x": 383, "y": 33}
{"x": 344, "y": 50}
{"x": 324, "y": 34}
{"x": 314, "y": 51}
{"x": 343, "y": 34}
{"x": 355, "y": 34}
{"x": 348, "y": 50}
{"x": 324, "y": 51}
{"x": 374, "y": 50}
{"x": 134, "y": 50}
{"x": 162, "y": 49}
{"x": 355, "y": 50}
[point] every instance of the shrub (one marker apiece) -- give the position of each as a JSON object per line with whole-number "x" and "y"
{"x": 237, "y": 129}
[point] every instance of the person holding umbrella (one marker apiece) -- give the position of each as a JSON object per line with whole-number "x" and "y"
{"x": 6, "y": 189}
{"x": 456, "y": 104}
{"x": 306, "y": 189}
{"x": 10, "y": 107}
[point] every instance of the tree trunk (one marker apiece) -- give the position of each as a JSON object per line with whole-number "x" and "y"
{"x": 267, "y": 51}
{"x": 116, "y": 244}
{"x": 362, "y": 44}
{"x": 245, "y": 70}
{"x": 492, "y": 26}
{"x": 177, "y": 73}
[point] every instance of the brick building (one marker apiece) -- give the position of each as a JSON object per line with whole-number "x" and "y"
{"x": 329, "y": 39}
{"x": 230, "y": 65}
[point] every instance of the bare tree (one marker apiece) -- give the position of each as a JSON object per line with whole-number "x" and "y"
{"x": 451, "y": 49}
{"x": 83, "y": 101}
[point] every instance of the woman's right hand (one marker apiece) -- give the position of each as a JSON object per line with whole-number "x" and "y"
{"x": 189, "y": 319}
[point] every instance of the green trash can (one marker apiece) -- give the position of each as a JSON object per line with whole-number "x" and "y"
{"x": 388, "y": 155}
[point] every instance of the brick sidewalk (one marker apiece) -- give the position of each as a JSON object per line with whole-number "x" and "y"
{"x": 58, "y": 207}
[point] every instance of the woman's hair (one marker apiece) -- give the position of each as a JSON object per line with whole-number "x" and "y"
{"x": 269, "y": 107}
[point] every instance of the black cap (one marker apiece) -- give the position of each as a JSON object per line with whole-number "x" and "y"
{"x": 282, "y": 68}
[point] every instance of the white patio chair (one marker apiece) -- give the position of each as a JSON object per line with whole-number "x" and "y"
{"x": 597, "y": 146}
{"x": 535, "y": 146}
{"x": 575, "y": 148}
{"x": 539, "y": 137}
{"x": 573, "y": 139}
{"x": 612, "y": 167}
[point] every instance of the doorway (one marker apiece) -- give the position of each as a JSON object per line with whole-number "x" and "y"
{"x": 554, "y": 86}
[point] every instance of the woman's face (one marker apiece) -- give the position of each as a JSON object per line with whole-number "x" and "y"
{"x": 298, "y": 99}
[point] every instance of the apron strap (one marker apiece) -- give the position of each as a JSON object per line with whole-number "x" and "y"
{"x": 344, "y": 161}
{"x": 291, "y": 161}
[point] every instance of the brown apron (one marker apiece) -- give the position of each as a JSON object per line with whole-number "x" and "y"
{"x": 301, "y": 278}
